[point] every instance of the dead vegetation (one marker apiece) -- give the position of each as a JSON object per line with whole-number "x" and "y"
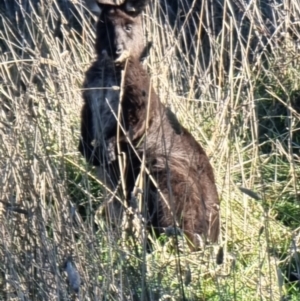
{"x": 243, "y": 109}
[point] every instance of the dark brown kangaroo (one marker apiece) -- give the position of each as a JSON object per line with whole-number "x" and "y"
{"x": 187, "y": 195}
{"x": 119, "y": 33}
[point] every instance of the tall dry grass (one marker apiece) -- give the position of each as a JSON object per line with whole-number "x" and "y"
{"x": 237, "y": 91}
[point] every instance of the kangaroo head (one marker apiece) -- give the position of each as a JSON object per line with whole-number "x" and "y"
{"x": 119, "y": 29}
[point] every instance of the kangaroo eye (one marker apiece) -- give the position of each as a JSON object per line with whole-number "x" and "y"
{"x": 128, "y": 27}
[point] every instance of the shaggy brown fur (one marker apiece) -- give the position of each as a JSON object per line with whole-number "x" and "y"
{"x": 187, "y": 195}
{"x": 176, "y": 161}
{"x": 118, "y": 34}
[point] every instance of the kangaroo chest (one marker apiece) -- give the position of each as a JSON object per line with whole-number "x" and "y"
{"x": 102, "y": 93}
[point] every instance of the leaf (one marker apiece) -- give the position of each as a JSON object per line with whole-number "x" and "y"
{"x": 250, "y": 193}
{"x": 220, "y": 256}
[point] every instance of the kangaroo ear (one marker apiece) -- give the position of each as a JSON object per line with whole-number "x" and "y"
{"x": 135, "y": 6}
{"x": 93, "y": 7}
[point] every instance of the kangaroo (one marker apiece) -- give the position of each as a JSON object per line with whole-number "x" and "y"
{"x": 180, "y": 187}
{"x": 119, "y": 33}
